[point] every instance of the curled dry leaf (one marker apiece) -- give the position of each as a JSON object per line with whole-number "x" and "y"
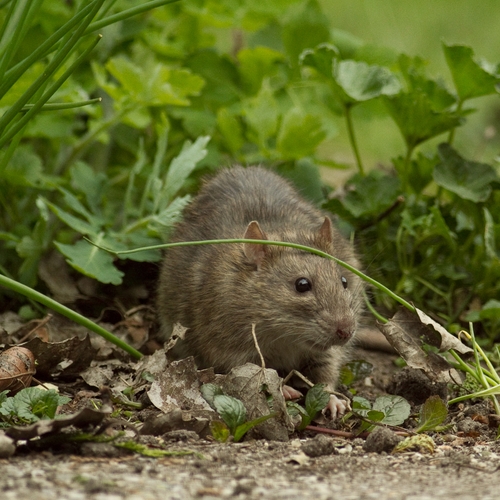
{"x": 17, "y": 367}
{"x": 407, "y": 331}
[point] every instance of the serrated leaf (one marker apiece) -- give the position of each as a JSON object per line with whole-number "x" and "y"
{"x": 183, "y": 164}
{"x": 472, "y": 78}
{"x": 232, "y": 411}
{"x": 417, "y": 119}
{"x": 91, "y": 261}
{"x": 395, "y": 408}
{"x": 468, "y": 179}
{"x": 300, "y": 134}
{"x": 359, "y": 81}
{"x": 432, "y": 414}
{"x": 209, "y": 391}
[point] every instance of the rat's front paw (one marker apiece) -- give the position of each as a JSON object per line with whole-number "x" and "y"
{"x": 336, "y": 407}
{"x": 290, "y": 393}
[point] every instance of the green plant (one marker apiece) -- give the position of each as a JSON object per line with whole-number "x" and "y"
{"x": 232, "y": 412}
{"x": 29, "y": 405}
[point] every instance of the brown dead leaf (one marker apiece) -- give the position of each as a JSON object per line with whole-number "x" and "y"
{"x": 61, "y": 359}
{"x": 17, "y": 367}
{"x": 178, "y": 387}
{"x": 407, "y": 333}
{"x": 82, "y": 419}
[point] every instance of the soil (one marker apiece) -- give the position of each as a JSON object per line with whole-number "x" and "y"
{"x": 465, "y": 464}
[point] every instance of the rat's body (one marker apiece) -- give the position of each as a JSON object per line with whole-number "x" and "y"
{"x": 218, "y": 291}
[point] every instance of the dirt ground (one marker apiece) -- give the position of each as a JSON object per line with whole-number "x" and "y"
{"x": 464, "y": 465}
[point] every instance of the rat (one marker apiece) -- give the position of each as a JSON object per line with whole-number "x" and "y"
{"x": 305, "y": 307}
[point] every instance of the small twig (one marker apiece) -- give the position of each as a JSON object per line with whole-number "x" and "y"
{"x": 263, "y": 363}
{"x": 40, "y": 323}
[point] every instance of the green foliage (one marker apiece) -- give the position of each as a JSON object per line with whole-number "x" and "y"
{"x": 432, "y": 414}
{"x": 316, "y": 400}
{"x": 353, "y": 371}
{"x": 232, "y": 411}
{"x": 387, "y": 410}
{"x": 268, "y": 83}
{"x": 29, "y": 405}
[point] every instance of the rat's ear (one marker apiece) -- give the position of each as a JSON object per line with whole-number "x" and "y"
{"x": 255, "y": 253}
{"x": 325, "y": 235}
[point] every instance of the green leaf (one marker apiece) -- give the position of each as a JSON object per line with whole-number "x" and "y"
{"x": 209, "y": 391}
{"x": 182, "y": 166}
{"x": 375, "y": 416}
{"x": 32, "y": 404}
{"x": 472, "y": 78}
{"x": 354, "y": 371}
{"x": 88, "y": 229}
{"x": 91, "y": 261}
{"x": 395, "y": 408}
{"x": 371, "y": 195}
{"x": 261, "y": 114}
{"x": 357, "y": 81}
{"x": 316, "y": 399}
{"x": 300, "y": 134}
{"x": 320, "y": 58}
{"x": 242, "y": 429}
{"x": 432, "y": 414}
{"x": 256, "y": 64}
{"x": 490, "y": 310}
{"x": 231, "y": 410}
{"x": 230, "y": 127}
{"x": 220, "y": 431}
{"x": 468, "y": 179}
{"x": 361, "y": 405}
{"x": 304, "y": 26}
{"x": 417, "y": 119}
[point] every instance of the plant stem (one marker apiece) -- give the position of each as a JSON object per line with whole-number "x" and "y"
{"x": 305, "y": 248}
{"x": 352, "y": 138}
{"x": 451, "y": 137}
{"x": 56, "y": 106}
{"x": 69, "y": 313}
{"x": 406, "y": 166}
{"x": 120, "y": 16}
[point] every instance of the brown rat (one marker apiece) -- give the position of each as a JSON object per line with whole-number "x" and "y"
{"x": 305, "y": 307}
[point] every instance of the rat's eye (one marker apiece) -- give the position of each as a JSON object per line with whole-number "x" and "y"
{"x": 344, "y": 282}
{"x": 303, "y": 285}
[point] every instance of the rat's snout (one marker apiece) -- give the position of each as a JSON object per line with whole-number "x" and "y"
{"x": 345, "y": 328}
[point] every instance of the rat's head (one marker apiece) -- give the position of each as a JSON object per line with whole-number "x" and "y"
{"x": 301, "y": 300}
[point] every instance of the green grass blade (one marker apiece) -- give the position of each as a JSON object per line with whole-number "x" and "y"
{"x": 46, "y": 96}
{"x": 56, "y": 106}
{"x": 120, "y": 16}
{"x": 68, "y": 313}
{"x": 13, "y": 74}
{"x": 51, "y": 68}
{"x": 12, "y": 34}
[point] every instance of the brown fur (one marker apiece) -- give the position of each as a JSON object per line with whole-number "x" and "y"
{"x": 218, "y": 291}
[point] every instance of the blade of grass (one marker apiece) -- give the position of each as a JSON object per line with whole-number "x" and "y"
{"x": 46, "y": 96}
{"x": 14, "y": 73}
{"x": 53, "y": 106}
{"x": 51, "y": 68}
{"x": 68, "y": 313}
{"x": 12, "y": 35}
{"x": 120, "y": 16}
{"x": 305, "y": 248}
